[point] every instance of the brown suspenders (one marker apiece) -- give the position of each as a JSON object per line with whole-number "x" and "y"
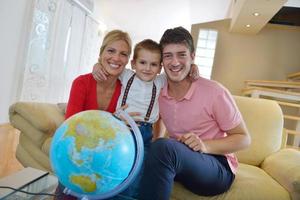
{"x": 129, "y": 83}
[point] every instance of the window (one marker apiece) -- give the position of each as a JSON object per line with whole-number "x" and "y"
{"x": 205, "y": 51}
{"x": 64, "y": 41}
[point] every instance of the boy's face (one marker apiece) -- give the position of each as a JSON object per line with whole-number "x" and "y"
{"x": 177, "y": 61}
{"x": 147, "y": 65}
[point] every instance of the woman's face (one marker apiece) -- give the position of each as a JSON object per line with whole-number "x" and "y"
{"x": 115, "y": 57}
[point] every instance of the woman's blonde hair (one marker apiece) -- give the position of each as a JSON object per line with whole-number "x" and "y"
{"x": 115, "y": 35}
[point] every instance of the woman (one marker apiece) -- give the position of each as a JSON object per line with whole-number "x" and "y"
{"x": 89, "y": 94}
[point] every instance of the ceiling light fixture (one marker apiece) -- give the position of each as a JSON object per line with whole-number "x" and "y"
{"x": 248, "y": 25}
{"x": 256, "y": 14}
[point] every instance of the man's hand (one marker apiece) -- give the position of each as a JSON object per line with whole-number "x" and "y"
{"x": 99, "y": 73}
{"x": 193, "y": 142}
{"x": 194, "y": 72}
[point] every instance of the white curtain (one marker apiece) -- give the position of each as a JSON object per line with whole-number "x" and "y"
{"x": 64, "y": 42}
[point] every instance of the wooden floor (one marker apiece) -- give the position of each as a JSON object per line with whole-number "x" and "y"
{"x": 9, "y": 138}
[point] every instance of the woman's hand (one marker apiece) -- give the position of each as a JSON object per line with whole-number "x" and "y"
{"x": 193, "y": 141}
{"x": 99, "y": 72}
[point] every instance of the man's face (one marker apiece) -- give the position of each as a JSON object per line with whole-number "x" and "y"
{"x": 177, "y": 60}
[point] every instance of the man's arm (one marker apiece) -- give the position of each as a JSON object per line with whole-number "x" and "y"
{"x": 237, "y": 139}
{"x": 159, "y": 129}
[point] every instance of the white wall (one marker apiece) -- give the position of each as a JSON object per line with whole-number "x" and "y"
{"x": 13, "y": 14}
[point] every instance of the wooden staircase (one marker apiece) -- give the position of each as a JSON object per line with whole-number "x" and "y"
{"x": 287, "y": 94}
{"x": 294, "y": 76}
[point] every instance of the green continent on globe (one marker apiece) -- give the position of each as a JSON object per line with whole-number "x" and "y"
{"x": 79, "y": 161}
{"x": 85, "y": 183}
{"x": 88, "y": 131}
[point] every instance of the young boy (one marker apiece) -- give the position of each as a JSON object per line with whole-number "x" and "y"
{"x": 140, "y": 91}
{"x": 141, "y": 87}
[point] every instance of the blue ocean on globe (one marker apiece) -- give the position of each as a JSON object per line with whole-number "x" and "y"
{"x": 92, "y": 153}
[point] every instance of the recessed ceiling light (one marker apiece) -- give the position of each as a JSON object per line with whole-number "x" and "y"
{"x": 248, "y": 25}
{"x": 256, "y": 14}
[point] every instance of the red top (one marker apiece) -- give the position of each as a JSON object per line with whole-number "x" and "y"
{"x": 83, "y": 96}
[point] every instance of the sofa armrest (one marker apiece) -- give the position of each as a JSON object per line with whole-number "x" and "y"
{"x": 45, "y": 117}
{"x": 284, "y": 167}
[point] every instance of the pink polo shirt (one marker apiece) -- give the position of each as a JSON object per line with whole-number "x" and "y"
{"x": 207, "y": 110}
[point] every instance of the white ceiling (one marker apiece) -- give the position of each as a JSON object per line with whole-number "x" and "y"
{"x": 150, "y": 18}
{"x": 243, "y": 14}
{"x": 293, "y": 3}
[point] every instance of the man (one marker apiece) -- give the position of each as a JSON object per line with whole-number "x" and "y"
{"x": 204, "y": 125}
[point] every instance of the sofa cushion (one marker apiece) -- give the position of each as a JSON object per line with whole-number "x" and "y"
{"x": 264, "y": 121}
{"x": 263, "y": 187}
{"x": 27, "y": 160}
{"x": 62, "y": 107}
{"x": 27, "y": 128}
{"x": 284, "y": 167}
{"x": 46, "y": 146}
{"x": 33, "y": 152}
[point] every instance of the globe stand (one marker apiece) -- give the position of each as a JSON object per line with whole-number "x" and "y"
{"x": 134, "y": 171}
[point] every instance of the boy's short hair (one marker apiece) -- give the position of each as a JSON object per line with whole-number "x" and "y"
{"x": 113, "y": 36}
{"x": 177, "y": 35}
{"x": 147, "y": 44}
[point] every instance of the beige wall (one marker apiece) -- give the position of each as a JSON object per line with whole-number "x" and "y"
{"x": 270, "y": 54}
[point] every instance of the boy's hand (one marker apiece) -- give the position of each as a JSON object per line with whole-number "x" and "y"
{"x": 99, "y": 72}
{"x": 131, "y": 114}
{"x": 194, "y": 72}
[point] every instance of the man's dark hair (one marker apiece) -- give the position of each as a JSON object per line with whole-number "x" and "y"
{"x": 177, "y": 35}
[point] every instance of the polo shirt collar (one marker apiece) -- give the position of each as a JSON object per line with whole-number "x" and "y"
{"x": 187, "y": 96}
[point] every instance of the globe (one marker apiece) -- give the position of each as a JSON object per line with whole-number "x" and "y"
{"x": 95, "y": 155}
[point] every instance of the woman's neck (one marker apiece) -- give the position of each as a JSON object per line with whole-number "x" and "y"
{"x": 109, "y": 83}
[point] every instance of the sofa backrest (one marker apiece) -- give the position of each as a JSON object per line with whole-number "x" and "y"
{"x": 264, "y": 120}
{"x": 44, "y": 117}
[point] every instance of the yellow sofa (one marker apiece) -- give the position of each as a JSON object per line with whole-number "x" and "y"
{"x": 266, "y": 172}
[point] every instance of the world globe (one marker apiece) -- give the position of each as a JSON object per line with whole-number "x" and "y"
{"x": 95, "y": 155}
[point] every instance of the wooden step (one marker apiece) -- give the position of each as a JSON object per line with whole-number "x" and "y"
{"x": 282, "y": 103}
{"x": 295, "y": 75}
{"x": 276, "y": 84}
{"x": 281, "y": 94}
{"x": 292, "y": 147}
{"x": 292, "y": 132}
{"x": 291, "y": 117}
